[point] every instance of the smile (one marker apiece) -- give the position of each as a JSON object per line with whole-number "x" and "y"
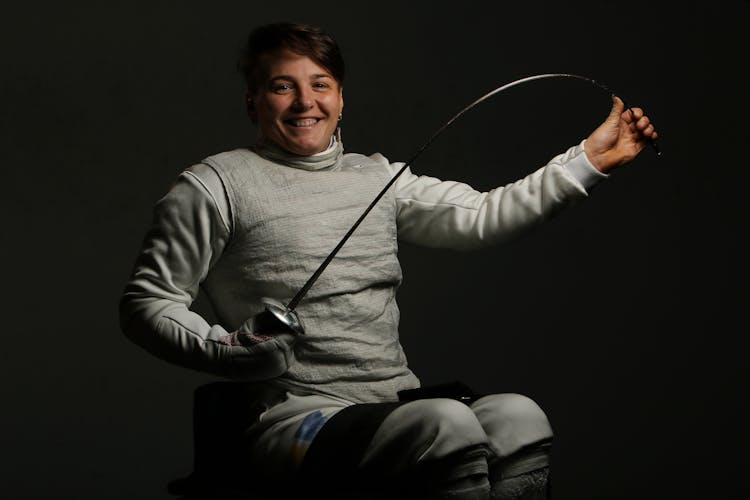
{"x": 302, "y": 122}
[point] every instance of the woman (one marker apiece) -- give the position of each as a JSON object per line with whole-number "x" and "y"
{"x": 257, "y": 222}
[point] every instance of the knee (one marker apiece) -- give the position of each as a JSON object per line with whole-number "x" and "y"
{"x": 451, "y": 425}
{"x": 426, "y": 429}
{"x": 511, "y": 422}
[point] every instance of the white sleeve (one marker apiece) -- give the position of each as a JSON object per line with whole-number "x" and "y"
{"x": 189, "y": 232}
{"x": 453, "y": 215}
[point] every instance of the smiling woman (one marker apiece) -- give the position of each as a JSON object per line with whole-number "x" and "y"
{"x": 297, "y": 104}
{"x": 295, "y": 76}
{"x": 255, "y": 223}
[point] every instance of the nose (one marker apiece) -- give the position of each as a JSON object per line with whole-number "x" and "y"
{"x": 304, "y": 98}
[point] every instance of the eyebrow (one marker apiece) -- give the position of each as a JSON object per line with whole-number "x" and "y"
{"x": 288, "y": 77}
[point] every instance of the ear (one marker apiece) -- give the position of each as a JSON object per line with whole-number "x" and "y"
{"x": 341, "y": 99}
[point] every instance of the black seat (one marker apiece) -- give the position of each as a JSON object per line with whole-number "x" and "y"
{"x": 222, "y": 412}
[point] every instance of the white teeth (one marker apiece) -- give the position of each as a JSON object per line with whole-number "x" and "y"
{"x": 305, "y": 123}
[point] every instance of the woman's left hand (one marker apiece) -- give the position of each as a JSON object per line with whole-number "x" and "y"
{"x": 619, "y": 138}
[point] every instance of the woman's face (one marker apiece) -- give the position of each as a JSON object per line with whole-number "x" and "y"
{"x": 297, "y": 105}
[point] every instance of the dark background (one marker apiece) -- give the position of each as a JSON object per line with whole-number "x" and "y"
{"x": 623, "y": 317}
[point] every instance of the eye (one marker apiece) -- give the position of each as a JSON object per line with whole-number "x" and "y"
{"x": 281, "y": 87}
{"x": 320, "y": 85}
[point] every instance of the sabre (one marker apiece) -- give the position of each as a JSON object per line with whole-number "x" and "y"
{"x": 278, "y": 315}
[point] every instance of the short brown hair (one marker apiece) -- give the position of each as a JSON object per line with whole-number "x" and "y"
{"x": 303, "y": 39}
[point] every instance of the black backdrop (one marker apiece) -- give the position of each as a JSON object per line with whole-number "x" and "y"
{"x": 623, "y": 317}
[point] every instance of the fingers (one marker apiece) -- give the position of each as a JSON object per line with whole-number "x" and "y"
{"x": 649, "y": 131}
{"x": 632, "y": 115}
{"x": 644, "y": 126}
{"x": 230, "y": 339}
{"x": 249, "y": 339}
{"x": 253, "y": 339}
{"x": 638, "y": 122}
{"x": 635, "y": 117}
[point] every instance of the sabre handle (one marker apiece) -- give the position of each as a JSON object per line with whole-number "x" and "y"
{"x": 276, "y": 317}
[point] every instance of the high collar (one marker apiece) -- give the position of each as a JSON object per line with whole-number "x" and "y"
{"x": 319, "y": 161}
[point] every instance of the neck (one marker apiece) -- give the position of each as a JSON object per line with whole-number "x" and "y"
{"x": 318, "y": 161}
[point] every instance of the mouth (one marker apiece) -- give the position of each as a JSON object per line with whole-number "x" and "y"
{"x": 302, "y": 122}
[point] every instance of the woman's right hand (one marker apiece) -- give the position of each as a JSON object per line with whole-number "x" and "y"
{"x": 252, "y": 355}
